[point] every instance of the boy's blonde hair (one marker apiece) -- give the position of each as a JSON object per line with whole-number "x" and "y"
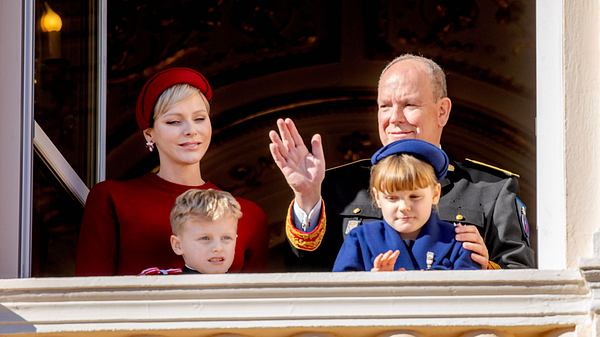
{"x": 174, "y": 95}
{"x": 210, "y": 204}
{"x": 401, "y": 173}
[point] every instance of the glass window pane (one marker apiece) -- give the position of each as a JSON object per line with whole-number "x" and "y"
{"x": 65, "y": 100}
{"x": 56, "y": 218}
{"x": 65, "y": 79}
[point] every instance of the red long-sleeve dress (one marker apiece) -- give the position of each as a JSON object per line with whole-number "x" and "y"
{"x": 126, "y": 229}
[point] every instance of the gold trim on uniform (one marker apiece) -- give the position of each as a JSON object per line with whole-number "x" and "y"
{"x": 302, "y": 240}
{"x": 493, "y": 265}
{"x": 367, "y": 161}
{"x": 507, "y": 172}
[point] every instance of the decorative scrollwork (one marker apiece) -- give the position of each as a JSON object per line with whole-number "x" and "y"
{"x": 143, "y": 34}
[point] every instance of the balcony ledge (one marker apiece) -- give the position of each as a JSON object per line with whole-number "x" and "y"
{"x": 440, "y": 303}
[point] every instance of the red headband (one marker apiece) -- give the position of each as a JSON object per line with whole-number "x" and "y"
{"x": 162, "y": 81}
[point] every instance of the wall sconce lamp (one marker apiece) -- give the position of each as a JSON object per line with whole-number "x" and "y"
{"x": 51, "y": 23}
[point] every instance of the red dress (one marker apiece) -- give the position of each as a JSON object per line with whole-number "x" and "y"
{"x": 126, "y": 228}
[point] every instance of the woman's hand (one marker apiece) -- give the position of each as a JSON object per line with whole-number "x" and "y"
{"x": 304, "y": 171}
{"x": 386, "y": 261}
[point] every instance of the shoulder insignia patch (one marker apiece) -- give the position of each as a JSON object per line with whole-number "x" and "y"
{"x": 351, "y": 224}
{"x": 522, "y": 213}
{"x": 508, "y": 173}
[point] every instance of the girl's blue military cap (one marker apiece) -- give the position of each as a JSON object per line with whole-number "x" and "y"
{"x": 420, "y": 149}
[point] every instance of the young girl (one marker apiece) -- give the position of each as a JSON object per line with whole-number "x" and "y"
{"x": 404, "y": 184}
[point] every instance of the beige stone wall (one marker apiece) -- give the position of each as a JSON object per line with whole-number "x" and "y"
{"x": 582, "y": 125}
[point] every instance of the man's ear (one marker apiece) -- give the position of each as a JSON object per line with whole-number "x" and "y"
{"x": 437, "y": 193}
{"x": 176, "y": 245}
{"x": 444, "y": 107}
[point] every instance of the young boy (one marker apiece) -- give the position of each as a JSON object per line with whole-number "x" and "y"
{"x": 404, "y": 184}
{"x": 204, "y": 225}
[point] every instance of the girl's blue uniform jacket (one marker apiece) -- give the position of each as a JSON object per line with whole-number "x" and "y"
{"x": 364, "y": 243}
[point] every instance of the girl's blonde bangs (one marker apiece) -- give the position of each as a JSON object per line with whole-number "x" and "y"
{"x": 402, "y": 173}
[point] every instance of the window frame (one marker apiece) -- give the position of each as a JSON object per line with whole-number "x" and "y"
{"x": 550, "y": 136}
{"x": 33, "y": 135}
{"x": 550, "y": 132}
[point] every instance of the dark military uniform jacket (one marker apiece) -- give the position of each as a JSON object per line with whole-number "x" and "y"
{"x": 471, "y": 193}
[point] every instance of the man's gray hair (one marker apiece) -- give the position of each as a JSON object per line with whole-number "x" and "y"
{"x": 435, "y": 72}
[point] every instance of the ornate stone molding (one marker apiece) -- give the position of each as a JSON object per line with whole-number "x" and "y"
{"x": 447, "y": 303}
{"x": 590, "y": 269}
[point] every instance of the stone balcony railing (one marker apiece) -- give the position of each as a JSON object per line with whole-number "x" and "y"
{"x": 433, "y": 303}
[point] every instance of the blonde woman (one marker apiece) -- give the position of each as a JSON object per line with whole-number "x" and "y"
{"x": 125, "y": 225}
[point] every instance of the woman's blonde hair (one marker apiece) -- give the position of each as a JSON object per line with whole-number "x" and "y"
{"x": 174, "y": 95}
{"x": 401, "y": 173}
{"x": 209, "y": 204}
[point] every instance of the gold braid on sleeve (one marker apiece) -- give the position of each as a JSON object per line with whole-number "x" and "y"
{"x": 308, "y": 241}
{"x": 493, "y": 265}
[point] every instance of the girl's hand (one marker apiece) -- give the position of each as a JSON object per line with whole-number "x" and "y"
{"x": 386, "y": 261}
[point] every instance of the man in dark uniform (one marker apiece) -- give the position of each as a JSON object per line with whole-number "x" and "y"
{"x": 412, "y": 103}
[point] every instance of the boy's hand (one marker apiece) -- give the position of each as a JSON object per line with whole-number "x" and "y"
{"x": 386, "y": 261}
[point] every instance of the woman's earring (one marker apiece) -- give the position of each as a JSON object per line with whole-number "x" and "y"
{"x": 150, "y": 145}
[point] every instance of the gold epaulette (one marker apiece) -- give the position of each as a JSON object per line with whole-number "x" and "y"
{"x": 302, "y": 240}
{"x": 508, "y": 173}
